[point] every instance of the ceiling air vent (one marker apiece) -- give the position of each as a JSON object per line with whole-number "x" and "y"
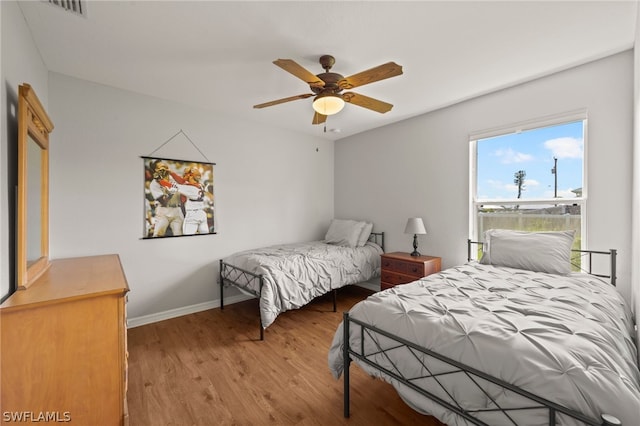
{"x": 77, "y": 7}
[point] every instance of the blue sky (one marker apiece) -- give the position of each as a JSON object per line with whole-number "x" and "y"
{"x": 500, "y": 157}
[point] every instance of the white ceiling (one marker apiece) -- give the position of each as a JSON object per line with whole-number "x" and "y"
{"x": 218, "y": 55}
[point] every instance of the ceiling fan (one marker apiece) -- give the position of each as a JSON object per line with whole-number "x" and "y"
{"x": 327, "y": 87}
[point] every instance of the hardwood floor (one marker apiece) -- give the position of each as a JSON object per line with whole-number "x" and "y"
{"x": 210, "y": 368}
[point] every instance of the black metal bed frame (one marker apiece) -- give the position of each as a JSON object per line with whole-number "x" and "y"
{"x": 476, "y": 377}
{"x": 246, "y": 281}
{"x": 612, "y": 253}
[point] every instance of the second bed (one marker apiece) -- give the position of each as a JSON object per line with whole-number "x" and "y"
{"x": 288, "y": 276}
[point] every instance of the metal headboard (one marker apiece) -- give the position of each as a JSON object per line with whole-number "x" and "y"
{"x": 378, "y": 238}
{"x": 612, "y": 253}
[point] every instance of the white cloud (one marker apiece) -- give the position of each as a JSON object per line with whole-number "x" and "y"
{"x": 565, "y": 147}
{"x": 509, "y": 156}
{"x": 510, "y": 187}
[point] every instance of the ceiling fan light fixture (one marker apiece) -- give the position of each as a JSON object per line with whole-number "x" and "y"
{"x": 328, "y": 104}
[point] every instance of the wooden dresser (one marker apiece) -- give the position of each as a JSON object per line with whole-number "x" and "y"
{"x": 64, "y": 345}
{"x": 401, "y": 268}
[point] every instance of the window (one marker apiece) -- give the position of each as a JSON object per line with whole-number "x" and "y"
{"x": 530, "y": 177}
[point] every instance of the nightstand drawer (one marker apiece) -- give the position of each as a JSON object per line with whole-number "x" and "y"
{"x": 402, "y": 268}
{"x": 416, "y": 269}
{"x": 396, "y": 278}
{"x": 396, "y": 265}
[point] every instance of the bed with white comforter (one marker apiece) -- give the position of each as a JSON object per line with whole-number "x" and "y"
{"x": 567, "y": 338}
{"x": 294, "y": 274}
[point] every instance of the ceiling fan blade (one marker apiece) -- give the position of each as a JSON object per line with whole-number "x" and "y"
{"x": 381, "y": 72}
{"x": 318, "y": 118}
{"x": 367, "y": 102}
{"x": 299, "y": 71}
{"x": 283, "y": 100}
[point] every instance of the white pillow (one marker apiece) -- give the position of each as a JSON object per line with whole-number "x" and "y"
{"x": 344, "y": 232}
{"x": 364, "y": 235}
{"x": 534, "y": 251}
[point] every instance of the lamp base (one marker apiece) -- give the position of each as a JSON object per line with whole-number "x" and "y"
{"x": 415, "y": 246}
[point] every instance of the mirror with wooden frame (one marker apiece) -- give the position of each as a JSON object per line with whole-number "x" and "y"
{"x": 32, "y": 234}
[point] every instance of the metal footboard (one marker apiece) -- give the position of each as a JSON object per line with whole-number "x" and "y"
{"x": 427, "y": 357}
{"x": 243, "y": 280}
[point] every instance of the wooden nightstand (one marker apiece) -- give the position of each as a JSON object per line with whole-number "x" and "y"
{"x": 402, "y": 268}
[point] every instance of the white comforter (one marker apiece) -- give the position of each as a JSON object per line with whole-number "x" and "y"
{"x": 566, "y": 339}
{"x": 294, "y": 274}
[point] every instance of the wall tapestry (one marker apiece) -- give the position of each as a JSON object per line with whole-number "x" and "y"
{"x": 178, "y": 198}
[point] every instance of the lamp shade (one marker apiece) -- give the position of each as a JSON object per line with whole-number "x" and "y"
{"x": 328, "y": 104}
{"x": 415, "y": 226}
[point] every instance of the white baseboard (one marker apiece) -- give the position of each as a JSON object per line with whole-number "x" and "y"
{"x": 185, "y": 310}
{"x": 373, "y": 285}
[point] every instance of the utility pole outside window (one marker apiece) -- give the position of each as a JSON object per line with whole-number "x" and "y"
{"x": 554, "y": 172}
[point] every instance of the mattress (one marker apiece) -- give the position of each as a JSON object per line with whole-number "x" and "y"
{"x": 294, "y": 274}
{"x": 565, "y": 338}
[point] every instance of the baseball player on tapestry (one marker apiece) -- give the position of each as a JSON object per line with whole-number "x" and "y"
{"x": 195, "y": 220}
{"x": 169, "y": 211}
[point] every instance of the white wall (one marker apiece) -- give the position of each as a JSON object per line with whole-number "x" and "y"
{"x": 420, "y": 167}
{"x": 271, "y": 187}
{"x": 21, "y": 63}
{"x": 635, "y": 228}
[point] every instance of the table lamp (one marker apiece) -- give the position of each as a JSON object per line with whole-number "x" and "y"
{"x": 415, "y": 226}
